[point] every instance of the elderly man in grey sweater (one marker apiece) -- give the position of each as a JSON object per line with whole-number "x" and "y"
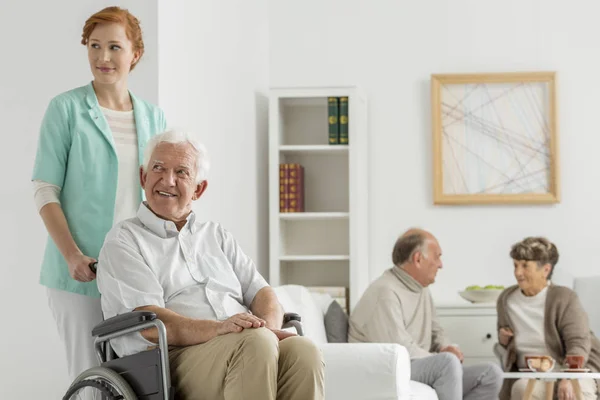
{"x": 398, "y": 308}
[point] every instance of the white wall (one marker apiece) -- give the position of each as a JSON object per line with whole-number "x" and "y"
{"x": 213, "y": 72}
{"x": 210, "y": 73}
{"x": 390, "y": 48}
{"x": 41, "y": 57}
{"x": 213, "y": 76}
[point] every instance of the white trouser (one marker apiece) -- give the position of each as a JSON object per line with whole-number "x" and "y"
{"x": 75, "y": 316}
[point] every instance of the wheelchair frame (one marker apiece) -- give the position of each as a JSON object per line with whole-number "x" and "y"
{"x": 147, "y": 372}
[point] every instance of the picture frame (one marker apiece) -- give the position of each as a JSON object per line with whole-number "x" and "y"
{"x": 495, "y": 138}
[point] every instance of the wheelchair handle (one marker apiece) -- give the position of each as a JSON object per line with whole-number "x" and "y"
{"x": 94, "y": 266}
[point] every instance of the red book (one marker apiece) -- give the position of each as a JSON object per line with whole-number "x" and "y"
{"x": 284, "y": 176}
{"x": 296, "y": 188}
{"x": 301, "y": 189}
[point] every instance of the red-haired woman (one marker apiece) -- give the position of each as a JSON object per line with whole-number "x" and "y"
{"x": 86, "y": 174}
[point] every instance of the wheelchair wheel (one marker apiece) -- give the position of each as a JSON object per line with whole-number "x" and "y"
{"x": 105, "y": 381}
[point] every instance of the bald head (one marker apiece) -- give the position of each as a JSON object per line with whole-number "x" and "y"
{"x": 420, "y": 232}
{"x": 409, "y": 243}
{"x": 418, "y": 252}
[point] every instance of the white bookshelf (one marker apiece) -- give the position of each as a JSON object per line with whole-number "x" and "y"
{"x": 323, "y": 149}
{"x": 327, "y": 245}
{"x": 313, "y": 216}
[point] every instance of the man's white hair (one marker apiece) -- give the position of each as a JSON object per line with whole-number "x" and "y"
{"x": 177, "y": 136}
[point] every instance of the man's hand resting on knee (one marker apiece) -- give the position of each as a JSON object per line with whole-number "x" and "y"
{"x": 454, "y": 350}
{"x": 281, "y": 334}
{"x": 239, "y": 322}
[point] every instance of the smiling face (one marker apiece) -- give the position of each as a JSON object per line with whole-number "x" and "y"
{"x": 531, "y": 277}
{"x": 110, "y": 53}
{"x": 169, "y": 181}
{"x": 534, "y": 259}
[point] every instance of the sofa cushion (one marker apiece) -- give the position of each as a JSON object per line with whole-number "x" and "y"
{"x": 335, "y": 319}
{"x": 336, "y": 323}
{"x": 297, "y": 299}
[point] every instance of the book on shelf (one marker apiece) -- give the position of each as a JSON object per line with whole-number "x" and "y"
{"x": 291, "y": 188}
{"x": 283, "y": 177}
{"x": 338, "y": 293}
{"x": 337, "y": 119}
{"x": 343, "y": 138}
{"x": 333, "y": 120}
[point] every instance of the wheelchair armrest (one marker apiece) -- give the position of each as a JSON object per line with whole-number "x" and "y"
{"x": 293, "y": 320}
{"x": 123, "y": 321}
{"x": 287, "y": 317}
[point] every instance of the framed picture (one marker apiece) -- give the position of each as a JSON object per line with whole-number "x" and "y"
{"x": 495, "y": 138}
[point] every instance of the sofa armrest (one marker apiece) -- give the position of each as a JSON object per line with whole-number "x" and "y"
{"x": 366, "y": 370}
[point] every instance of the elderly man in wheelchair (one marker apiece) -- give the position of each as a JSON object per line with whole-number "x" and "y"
{"x": 167, "y": 278}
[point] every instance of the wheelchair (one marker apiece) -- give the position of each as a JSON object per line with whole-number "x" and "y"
{"x": 141, "y": 376}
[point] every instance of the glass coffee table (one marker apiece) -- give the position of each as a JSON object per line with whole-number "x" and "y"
{"x": 549, "y": 378}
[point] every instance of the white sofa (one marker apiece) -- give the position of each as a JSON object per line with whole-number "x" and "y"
{"x": 586, "y": 288}
{"x": 365, "y": 371}
{"x": 589, "y": 295}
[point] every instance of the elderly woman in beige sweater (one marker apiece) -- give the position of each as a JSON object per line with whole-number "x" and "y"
{"x": 536, "y": 317}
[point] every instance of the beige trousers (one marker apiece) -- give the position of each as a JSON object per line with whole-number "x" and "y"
{"x": 588, "y": 389}
{"x": 249, "y": 365}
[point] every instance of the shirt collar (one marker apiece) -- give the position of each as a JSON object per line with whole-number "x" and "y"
{"x": 162, "y": 227}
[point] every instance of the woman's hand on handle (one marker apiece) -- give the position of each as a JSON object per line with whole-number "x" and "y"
{"x": 79, "y": 268}
{"x": 56, "y": 224}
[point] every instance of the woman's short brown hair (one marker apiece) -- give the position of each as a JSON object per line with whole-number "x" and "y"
{"x": 120, "y": 16}
{"x": 537, "y": 249}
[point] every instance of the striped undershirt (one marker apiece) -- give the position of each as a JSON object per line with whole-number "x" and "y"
{"x": 122, "y": 126}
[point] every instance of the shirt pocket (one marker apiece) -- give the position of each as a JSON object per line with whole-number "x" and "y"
{"x": 219, "y": 275}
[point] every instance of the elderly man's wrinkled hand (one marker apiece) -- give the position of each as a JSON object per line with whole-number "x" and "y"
{"x": 239, "y": 322}
{"x": 281, "y": 334}
{"x": 505, "y": 335}
{"x": 565, "y": 390}
{"x": 454, "y": 350}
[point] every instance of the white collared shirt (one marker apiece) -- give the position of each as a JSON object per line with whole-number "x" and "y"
{"x": 199, "y": 272}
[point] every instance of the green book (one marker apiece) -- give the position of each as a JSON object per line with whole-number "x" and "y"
{"x": 343, "y": 120}
{"x": 333, "y": 113}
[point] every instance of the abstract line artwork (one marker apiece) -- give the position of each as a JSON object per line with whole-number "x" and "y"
{"x": 494, "y": 138}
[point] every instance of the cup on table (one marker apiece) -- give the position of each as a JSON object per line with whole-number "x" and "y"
{"x": 539, "y": 363}
{"x": 574, "y": 362}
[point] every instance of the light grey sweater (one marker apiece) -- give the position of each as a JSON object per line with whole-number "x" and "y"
{"x": 395, "y": 308}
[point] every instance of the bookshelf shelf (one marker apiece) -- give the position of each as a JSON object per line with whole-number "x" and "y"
{"x": 318, "y": 149}
{"x": 327, "y": 244}
{"x": 307, "y": 216}
{"x": 315, "y": 258}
